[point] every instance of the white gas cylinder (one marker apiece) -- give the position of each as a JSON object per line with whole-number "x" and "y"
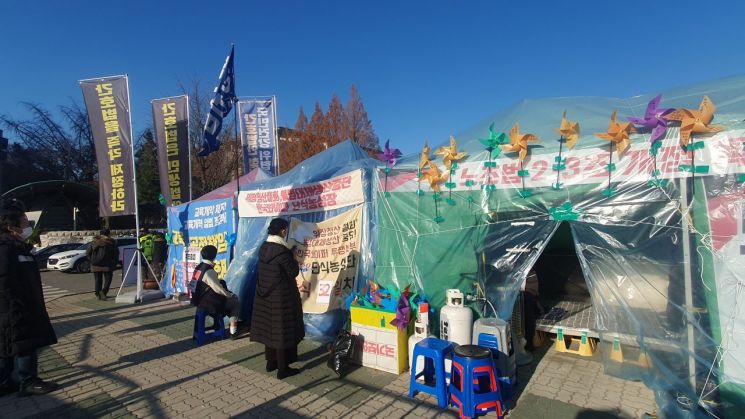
{"x": 456, "y": 321}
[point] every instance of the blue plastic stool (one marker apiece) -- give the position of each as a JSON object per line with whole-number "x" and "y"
{"x": 491, "y": 343}
{"x": 473, "y": 382}
{"x": 434, "y": 352}
{"x": 200, "y": 334}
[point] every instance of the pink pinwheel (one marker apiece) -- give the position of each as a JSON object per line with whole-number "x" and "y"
{"x": 654, "y": 118}
{"x": 389, "y": 155}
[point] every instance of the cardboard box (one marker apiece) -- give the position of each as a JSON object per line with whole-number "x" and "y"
{"x": 380, "y": 346}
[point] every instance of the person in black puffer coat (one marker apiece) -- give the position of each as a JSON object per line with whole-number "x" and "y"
{"x": 277, "y": 319}
{"x": 103, "y": 254}
{"x": 24, "y": 322}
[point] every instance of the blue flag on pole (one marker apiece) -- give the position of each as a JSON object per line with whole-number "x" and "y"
{"x": 220, "y": 107}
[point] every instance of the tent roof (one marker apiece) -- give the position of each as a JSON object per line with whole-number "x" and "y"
{"x": 542, "y": 116}
{"x": 334, "y": 161}
{"x": 228, "y": 190}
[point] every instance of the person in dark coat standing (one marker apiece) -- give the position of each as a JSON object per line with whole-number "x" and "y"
{"x": 103, "y": 254}
{"x": 277, "y": 319}
{"x": 24, "y": 322}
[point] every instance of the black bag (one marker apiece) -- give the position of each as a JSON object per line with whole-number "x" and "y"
{"x": 342, "y": 351}
{"x": 99, "y": 256}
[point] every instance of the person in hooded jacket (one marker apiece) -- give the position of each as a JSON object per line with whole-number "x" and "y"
{"x": 103, "y": 266}
{"x": 277, "y": 317}
{"x": 24, "y": 322}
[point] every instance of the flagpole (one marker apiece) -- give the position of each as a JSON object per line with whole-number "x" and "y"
{"x": 188, "y": 141}
{"x": 138, "y": 292}
{"x": 239, "y": 150}
{"x": 276, "y": 135}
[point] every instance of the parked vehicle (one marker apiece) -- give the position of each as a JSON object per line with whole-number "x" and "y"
{"x": 76, "y": 261}
{"x": 42, "y": 254}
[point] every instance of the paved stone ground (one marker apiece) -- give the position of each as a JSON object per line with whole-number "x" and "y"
{"x": 137, "y": 361}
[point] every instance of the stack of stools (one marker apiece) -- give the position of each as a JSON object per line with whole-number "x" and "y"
{"x": 434, "y": 352}
{"x": 473, "y": 382}
{"x": 200, "y": 333}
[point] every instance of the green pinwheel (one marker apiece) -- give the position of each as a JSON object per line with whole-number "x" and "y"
{"x": 494, "y": 142}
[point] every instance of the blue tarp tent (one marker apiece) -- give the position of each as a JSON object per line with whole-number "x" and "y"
{"x": 252, "y": 232}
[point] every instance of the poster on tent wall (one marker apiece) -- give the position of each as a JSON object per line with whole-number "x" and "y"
{"x": 341, "y": 191}
{"x": 258, "y": 128}
{"x": 192, "y": 226}
{"x": 329, "y": 256}
{"x": 171, "y": 122}
{"x": 107, "y": 102}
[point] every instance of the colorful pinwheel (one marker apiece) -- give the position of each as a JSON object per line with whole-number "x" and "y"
{"x": 389, "y": 156}
{"x": 569, "y": 131}
{"x": 433, "y": 175}
{"x": 450, "y": 154}
{"x": 494, "y": 142}
{"x": 617, "y": 134}
{"x": 692, "y": 121}
{"x": 519, "y": 144}
{"x": 424, "y": 161}
{"x": 654, "y": 119}
{"x": 493, "y": 146}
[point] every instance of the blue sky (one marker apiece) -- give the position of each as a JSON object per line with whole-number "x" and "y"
{"x": 425, "y": 70}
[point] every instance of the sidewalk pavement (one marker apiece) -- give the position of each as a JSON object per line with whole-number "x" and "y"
{"x": 127, "y": 361}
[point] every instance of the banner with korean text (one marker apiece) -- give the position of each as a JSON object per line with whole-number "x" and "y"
{"x": 171, "y": 122}
{"x": 258, "y": 135}
{"x": 337, "y": 192}
{"x": 328, "y": 253}
{"x": 107, "y": 102}
{"x": 190, "y": 227}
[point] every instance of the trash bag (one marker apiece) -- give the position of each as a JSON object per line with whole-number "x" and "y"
{"x": 342, "y": 352}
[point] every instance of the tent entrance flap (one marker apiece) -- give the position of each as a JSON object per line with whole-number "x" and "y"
{"x": 562, "y": 289}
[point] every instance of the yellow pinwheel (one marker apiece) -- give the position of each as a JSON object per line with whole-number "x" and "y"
{"x": 569, "y": 130}
{"x": 618, "y": 134}
{"x": 695, "y": 121}
{"x": 434, "y": 176}
{"x": 519, "y": 142}
{"x": 450, "y": 154}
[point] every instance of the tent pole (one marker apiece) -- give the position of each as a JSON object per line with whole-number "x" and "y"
{"x": 688, "y": 282}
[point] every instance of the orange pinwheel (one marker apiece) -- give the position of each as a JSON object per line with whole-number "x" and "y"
{"x": 434, "y": 176}
{"x": 518, "y": 142}
{"x": 618, "y": 134}
{"x": 569, "y": 130}
{"x": 450, "y": 154}
{"x": 424, "y": 159}
{"x": 692, "y": 121}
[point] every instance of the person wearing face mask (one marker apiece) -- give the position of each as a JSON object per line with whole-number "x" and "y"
{"x": 277, "y": 317}
{"x": 24, "y": 322}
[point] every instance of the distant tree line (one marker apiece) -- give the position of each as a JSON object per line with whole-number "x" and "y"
{"x": 339, "y": 123}
{"x": 57, "y": 146}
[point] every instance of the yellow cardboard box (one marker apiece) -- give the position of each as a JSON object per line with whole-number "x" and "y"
{"x": 381, "y": 345}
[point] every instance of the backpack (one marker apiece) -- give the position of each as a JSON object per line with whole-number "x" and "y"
{"x": 196, "y": 285}
{"x": 98, "y": 256}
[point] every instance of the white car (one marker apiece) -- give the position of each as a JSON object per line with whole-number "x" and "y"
{"x": 76, "y": 261}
